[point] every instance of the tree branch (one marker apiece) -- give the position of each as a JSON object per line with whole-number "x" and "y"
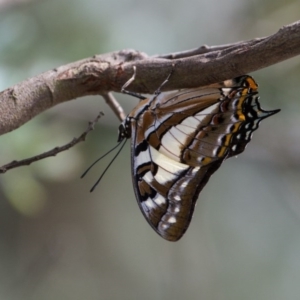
{"x": 108, "y": 72}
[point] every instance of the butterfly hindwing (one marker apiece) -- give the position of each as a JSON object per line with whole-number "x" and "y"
{"x": 167, "y": 190}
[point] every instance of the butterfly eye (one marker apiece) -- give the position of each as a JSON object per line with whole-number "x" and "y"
{"x": 121, "y": 134}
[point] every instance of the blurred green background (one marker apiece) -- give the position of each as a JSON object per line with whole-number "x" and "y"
{"x": 58, "y": 241}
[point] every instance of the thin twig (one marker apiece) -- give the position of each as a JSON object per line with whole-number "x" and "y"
{"x": 54, "y": 151}
{"x": 201, "y": 50}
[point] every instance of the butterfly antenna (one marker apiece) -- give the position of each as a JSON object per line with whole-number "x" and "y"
{"x": 108, "y": 164}
{"x": 100, "y": 159}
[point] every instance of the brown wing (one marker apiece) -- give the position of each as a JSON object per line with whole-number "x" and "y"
{"x": 180, "y": 139}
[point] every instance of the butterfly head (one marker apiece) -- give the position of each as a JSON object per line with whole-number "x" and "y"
{"x": 124, "y": 130}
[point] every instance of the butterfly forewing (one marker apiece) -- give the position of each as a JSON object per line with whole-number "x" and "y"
{"x": 180, "y": 139}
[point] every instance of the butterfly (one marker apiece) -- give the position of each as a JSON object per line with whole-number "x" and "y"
{"x": 179, "y": 139}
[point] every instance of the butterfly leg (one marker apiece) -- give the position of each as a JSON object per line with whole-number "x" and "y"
{"x": 158, "y": 91}
{"x": 127, "y": 83}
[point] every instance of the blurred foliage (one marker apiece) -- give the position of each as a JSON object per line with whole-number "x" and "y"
{"x": 58, "y": 241}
